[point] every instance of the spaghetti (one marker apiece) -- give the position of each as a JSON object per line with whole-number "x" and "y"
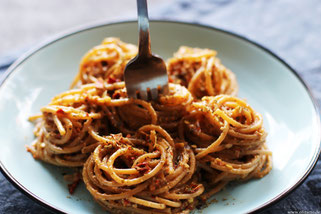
{"x": 64, "y": 128}
{"x": 167, "y": 111}
{"x": 163, "y": 156}
{"x": 201, "y": 72}
{"x": 105, "y": 62}
{"x": 67, "y": 128}
{"x": 228, "y": 139}
{"x": 147, "y": 173}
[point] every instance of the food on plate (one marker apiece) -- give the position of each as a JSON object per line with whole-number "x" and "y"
{"x": 201, "y": 72}
{"x": 163, "y": 156}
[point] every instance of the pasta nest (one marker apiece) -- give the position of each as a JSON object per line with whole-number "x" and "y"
{"x": 105, "y": 62}
{"x": 201, "y": 72}
{"x": 130, "y": 114}
{"x": 64, "y": 128}
{"x": 228, "y": 139}
{"x": 145, "y": 173}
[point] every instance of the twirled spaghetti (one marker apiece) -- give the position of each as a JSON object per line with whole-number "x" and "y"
{"x": 149, "y": 173}
{"x": 105, "y": 62}
{"x": 163, "y": 156}
{"x": 167, "y": 111}
{"x": 201, "y": 72}
{"x": 228, "y": 139}
{"x": 63, "y": 130}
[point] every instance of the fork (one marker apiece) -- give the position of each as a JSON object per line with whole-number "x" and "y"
{"x": 145, "y": 75}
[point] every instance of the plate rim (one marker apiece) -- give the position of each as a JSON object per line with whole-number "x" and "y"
{"x": 87, "y": 27}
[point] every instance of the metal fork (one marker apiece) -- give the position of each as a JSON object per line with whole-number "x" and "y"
{"x": 145, "y": 75}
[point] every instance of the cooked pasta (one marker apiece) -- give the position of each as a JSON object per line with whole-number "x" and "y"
{"x": 228, "y": 139}
{"x": 163, "y": 156}
{"x": 201, "y": 72}
{"x": 148, "y": 173}
{"x": 167, "y": 111}
{"x": 105, "y": 62}
{"x": 63, "y": 130}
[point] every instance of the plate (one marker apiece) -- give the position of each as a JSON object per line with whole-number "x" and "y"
{"x": 270, "y": 86}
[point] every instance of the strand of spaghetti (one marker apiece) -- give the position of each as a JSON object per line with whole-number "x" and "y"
{"x": 267, "y": 169}
{"x": 96, "y": 136}
{"x": 168, "y": 202}
{"x": 114, "y": 86}
{"x": 105, "y": 196}
{"x": 77, "y": 161}
{"x": 119, "y": 102}
{"x": 153, "y": 138}
{"x": 143, "y": 157}
{"x": 208, "y": 77}
{"x": 64, "y": 150}
{"x": 35, "y": 117}
{"x": 220, "y": 72}
{"x": 147, "y": 106}
{"x": 217, "y": 149}
{"x": 105, "y": 167}
{"x": 96, "y": 175}
{"x": 175, "y": 196}
{"x": 255, "y": 136}
{"x": 192, "y": 84}
{"x": 220, "y": 177}
{"x": 71, "y": 112}
{"x": 227, "y": 167}
{"x": 98, "y": 100}
{"x": 191, "y": 169}
{"x": 169, "y": 156}
{"x": 182, "y": 121}
{"x": 130, "y": 182}
{"x": 217, "y": 188}
{"x": 182, "y": 166}
{"x": 89, "y": 148}
{"x": 169, "y": 185}
{"x": 255, "y": 152}
{"x": 115, "y": 120}
{"x": 75, "y": 81}
{"x": 228, "y": 119}
{"x": 74, "y": 145}
{"x": 258, "y": 169}
{"x": 226, "y": 98}
{"x": 70, "y": 92}
{"x": 160, "y": 130}
{"x": 176, "y": 177}
{"x": 254, "y": 126}
{"x": 67, "y": 134}
{"x": 245, "y": 165}
{"x": 147, "y": 203}
{"x": 248, "y": 115}
{"x": 215, "y": 144}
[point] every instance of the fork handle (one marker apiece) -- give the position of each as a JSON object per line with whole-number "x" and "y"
{"x": 143, "y": 27}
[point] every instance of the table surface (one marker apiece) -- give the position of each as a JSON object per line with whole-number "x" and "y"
{"x": 291, "y": 29}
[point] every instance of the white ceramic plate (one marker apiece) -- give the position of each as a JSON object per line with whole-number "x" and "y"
{"x": 274, "y": 89}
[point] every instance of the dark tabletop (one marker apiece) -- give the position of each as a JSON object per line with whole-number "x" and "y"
{"x": 290, "y": 28}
